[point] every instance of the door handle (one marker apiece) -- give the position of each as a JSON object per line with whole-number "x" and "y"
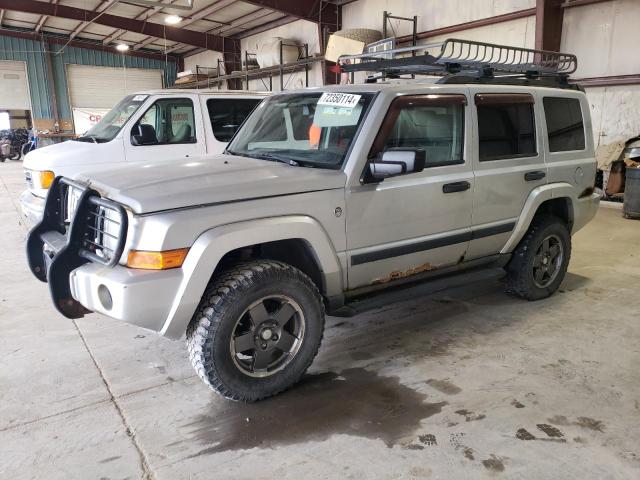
{"x": 532, "y": 176}
{"x": 455, "y": 187}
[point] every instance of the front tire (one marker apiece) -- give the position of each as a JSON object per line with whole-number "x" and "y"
{"x": 256, "y": 331}
{"x": 539, "y": 262}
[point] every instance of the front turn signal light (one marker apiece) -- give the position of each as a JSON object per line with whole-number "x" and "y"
{"x": 46, "y": 178}
{"x": 157, "y": 260}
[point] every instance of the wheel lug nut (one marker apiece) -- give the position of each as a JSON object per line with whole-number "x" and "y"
{"x": 264, "y": 345}
{"x": 275, "y": 337}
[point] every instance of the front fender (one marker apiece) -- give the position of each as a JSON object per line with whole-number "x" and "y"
{"x": 537, "y": 197}
{"x": 212, "y": 245}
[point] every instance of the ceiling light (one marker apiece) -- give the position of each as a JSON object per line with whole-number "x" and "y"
{"x": 122, "y": 47}
{"x": 172, "y": 19}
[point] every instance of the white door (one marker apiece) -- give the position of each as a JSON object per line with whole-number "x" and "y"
{"x": 170, "y": 128}
{"x": 14, "y": 87}
{"x": 92, "y": 87}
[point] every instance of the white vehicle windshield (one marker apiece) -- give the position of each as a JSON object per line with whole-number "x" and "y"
{"x": 308, "y": 129}
{"x": 107, "y": 128}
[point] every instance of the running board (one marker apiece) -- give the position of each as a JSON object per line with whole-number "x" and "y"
{"x": 413, "y": 290}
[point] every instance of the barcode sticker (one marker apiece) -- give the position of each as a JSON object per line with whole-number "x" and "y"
{"x": 346, "y": 100}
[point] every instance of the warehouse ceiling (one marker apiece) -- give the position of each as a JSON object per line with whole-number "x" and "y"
{"x": 143, "y": 24}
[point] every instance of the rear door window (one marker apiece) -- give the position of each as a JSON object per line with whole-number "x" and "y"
{"x": 565, "y": 126}
{"x": 506, "y": 126}
{"x": 227, "y": 114}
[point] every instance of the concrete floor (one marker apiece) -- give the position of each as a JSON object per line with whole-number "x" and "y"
{"x": 465, "y": 383}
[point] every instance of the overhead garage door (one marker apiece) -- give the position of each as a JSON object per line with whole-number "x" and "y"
{"x": 14, "y": 88}
{"x": 93, "y": 87}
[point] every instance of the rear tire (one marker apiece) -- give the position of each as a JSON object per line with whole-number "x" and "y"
{"x": 256, "y": 331}
{"x": 539, "y": 262}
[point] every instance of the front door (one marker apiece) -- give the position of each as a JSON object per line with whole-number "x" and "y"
{"x": 169, "y": 129}
{"x": 417, "y": 222}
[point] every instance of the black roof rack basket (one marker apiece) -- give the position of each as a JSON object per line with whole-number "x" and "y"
{"x": 455, "y": 57}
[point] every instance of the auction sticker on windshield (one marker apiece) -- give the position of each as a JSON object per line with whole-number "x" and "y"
{"x": 339, "y": 100}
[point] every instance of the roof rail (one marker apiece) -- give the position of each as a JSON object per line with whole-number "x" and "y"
{"x": 454, "y": 56}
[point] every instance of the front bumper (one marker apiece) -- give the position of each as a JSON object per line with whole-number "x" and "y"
{"x": 140, "y": 297}
{"x": 57, "y": 246}
{"x": 32, "y": 207}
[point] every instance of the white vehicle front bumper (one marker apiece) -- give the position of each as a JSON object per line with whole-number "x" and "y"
{"x": 32, "y": 207}
{"x": 140, "y": 297}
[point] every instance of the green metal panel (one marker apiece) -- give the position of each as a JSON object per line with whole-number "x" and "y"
{"x": 34, "y": 54}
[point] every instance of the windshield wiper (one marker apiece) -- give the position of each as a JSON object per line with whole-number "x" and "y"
{"x": 84, "y": 138}
{"x": 275, "y": 158}
{"x": 265, "y": 156}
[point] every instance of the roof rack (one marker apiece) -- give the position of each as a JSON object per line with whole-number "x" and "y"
{"x": 469, "y": 59}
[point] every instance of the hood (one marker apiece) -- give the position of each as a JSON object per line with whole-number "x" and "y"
{"x": 165, "y": 185}
{"x": 65, "y": 154}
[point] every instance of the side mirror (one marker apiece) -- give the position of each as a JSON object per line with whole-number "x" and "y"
{"x": 397, "y": 161}
{"x": 143, "y": 134}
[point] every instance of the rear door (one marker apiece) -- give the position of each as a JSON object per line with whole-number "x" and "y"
{"x": 508, "y": 164}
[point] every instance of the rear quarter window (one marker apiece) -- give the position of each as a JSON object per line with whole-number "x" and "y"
{"x": 565, "y": 125}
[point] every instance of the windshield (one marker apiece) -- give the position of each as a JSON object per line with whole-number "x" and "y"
{"x": 107, "y": 128}
{"x": 307, "y": 129}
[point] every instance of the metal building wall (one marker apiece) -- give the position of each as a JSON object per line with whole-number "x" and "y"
{"x": 82, "y": 56}
{"x": 34, "y": 54}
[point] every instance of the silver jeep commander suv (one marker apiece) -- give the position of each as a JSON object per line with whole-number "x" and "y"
{"x": 327, "y": 194}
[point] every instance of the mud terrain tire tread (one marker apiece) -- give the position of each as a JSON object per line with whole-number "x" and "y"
{"x": 219, "y": 296}
{"x": 519, "y": 279}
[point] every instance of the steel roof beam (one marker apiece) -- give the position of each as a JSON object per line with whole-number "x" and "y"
{"x": 194, "y": 17}
{"x": 188, "y": 37}
{"x": 313, "y": 10}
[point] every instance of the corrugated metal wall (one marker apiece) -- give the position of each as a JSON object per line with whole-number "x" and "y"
{"x": 33, "y": 53}
{"x": 82, "y": 56}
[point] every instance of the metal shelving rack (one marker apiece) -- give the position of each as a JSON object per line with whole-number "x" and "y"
{"x": 246, "y": 74}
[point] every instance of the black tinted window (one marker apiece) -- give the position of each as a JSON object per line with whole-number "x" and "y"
{"x": 227, "y": 114}
{"x": 565, "y": 126}
{"x": 506, "y": 131}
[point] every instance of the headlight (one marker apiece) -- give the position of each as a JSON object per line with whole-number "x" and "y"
{"x": 45, "y": 178}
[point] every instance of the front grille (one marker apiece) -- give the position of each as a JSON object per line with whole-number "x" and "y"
{"x": 98, "y": 225}
{"x": 105, "y": 231}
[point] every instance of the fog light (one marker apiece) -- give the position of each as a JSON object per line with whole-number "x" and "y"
{"x": 104, "y": 295}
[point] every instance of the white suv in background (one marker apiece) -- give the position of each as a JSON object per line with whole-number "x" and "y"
{"x": 143, "y": 127}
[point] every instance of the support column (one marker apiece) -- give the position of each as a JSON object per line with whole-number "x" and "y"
{"x": 329, "y": 21}
{"x": 232, "y": 57}
{"x": 549, "y": 16}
